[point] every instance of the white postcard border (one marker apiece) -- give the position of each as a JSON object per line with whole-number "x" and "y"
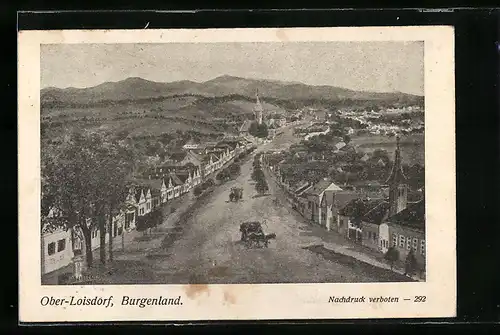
{"x": 263, "y": 301}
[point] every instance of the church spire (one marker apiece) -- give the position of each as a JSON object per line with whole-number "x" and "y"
{"x": 398, "y": 185}
{"x": 397, "y": 176}
{"x": 258, "y": 111}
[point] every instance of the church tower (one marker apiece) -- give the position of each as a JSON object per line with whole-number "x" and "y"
{"x": 398, "y": 185}
{"x": 258, "y": 110}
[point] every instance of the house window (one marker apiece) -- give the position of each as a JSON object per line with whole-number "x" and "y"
{"x": 401, "y": 241}
{"x": 422, "y": 247}
{"x": 51, "y": 248}
{"x": 415, "y": 245}
{"x": 394, "y": 240}
{"x": 408, "y": 243}
{"x": 61, "y": 245}
{"x": 374, "y": 237}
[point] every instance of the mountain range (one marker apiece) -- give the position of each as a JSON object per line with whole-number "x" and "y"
{"x": 134, "y": 89}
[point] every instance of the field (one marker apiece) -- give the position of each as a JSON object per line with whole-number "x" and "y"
{"x": 153, "y": 117}
{"x": 412, "y": 146}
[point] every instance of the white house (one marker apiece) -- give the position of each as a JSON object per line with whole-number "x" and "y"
{"x": 142, "y": 208}
{"x": 57, "y": 255}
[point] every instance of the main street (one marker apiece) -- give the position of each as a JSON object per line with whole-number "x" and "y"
{"x": 209, "y": 249}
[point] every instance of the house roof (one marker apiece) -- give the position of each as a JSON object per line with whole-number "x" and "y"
{"x": 358, "y": 207}
{"x": 191, "y": 142}
{"x": 198, "y": 159}
{"x": 323, "y": 185}
{"x": 52, "y": 225}
{"x": 224, "y": 146}
{"x": 340, "y": 145}
{"x": 206, "y": 158}
{"x": 178, "y": 156}
{"x": 377, "y": 214}
{"x": 413, "y": 216}
{"x": 137, "y": 194}
{"x": 301, "y": 186}
{"x": 215, "y": 158}
{"x": 348, "y": 147}
{"x": 365, "y": 157}
{"x": 246, "y": 125}
{"x": 343, "y": 197}
{"x": 175, "y": 180}
{"x": 182, "y": 176}
{"x": 153, "y": 184}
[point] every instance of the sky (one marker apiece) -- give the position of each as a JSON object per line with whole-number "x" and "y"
{"x": 364, "y": 66}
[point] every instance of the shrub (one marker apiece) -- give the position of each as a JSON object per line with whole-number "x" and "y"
{"x": 411, "y": 265}
{"x": 197, "y": 190}
{"x": 392, "y": 256}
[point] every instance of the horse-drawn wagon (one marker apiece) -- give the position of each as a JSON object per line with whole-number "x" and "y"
{"x": 253, "y": 235}
{"x": 236, "y": 194}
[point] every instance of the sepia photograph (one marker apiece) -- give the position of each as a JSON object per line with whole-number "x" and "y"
{"x": 265, "y": 159}
{"x": 232, "y": 163}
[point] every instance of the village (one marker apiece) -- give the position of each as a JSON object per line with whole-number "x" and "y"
{"x": 387, "y": 219}
{"x": 363, "y": 197}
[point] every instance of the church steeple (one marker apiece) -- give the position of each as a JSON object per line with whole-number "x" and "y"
{"x": 258, "y": 110}
{"x": 398, "y": 184}
{"x": 397, "y": 176}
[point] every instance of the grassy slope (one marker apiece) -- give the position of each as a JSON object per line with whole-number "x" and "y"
{"x": 412, "y": 146}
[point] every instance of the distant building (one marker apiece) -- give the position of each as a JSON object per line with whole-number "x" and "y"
{"x": 320, "y": 200}
{"x": 190, "y": 145}
{"x": 375, "y": 231}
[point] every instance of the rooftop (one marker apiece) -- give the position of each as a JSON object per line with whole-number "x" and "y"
{"x": 413, "y": 216}
{"x": 378, "y": 214}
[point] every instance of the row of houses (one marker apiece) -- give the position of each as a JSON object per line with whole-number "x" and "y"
{"x": 373, "y": 215}
{"x": 148, "y": 191}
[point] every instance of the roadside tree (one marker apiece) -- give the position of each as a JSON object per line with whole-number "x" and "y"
{"x": 392, "y": 256}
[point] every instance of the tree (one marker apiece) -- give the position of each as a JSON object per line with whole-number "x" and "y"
{"x": 234, "y": 169}
{"x": 261, "y": 186}
{"x": 79, "y": 179}
{"x": 258, "y": 130}
{"x": 254, "y": 128}
{"x": 209, "y": 183}
{"x": 392, "y": 256}
{"x": 411, "y": 263}
{"x": 68, "y": 186}
{"x": 197, "y": 190}
{"x": 116, "y": 168}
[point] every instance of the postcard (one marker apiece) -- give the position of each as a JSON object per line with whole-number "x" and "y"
{"x": 236, "y": 174}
